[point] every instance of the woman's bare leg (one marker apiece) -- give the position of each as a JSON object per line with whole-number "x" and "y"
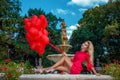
{"x": 61, "y": 61}
{"x": 52, "y": 67}
{"x": 63, "y": 68}
{"x": 66, "y": 67}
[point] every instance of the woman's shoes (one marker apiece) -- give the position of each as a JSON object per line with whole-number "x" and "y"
{"x": 38, "y": 70}
{"x": 47, "y": 71}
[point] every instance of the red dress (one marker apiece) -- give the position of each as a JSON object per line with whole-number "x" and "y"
{"x": 79, "y": 57}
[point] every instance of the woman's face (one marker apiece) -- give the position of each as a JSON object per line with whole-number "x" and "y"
{"x": 84, "y": 46}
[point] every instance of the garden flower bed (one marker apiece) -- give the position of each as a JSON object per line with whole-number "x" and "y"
{"x": 13, "y": 70}
{"x": 113, "y": 69}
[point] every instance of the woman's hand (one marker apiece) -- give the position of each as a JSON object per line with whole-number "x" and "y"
{"x": 64, "y": 54}
{"x": 93, "y": 69}
{"x": 97, "y": 74}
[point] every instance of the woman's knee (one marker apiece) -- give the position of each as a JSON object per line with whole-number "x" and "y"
{"x": 66, "y": 57}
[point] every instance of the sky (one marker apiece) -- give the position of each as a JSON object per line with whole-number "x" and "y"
{"x": 70, "y": 10}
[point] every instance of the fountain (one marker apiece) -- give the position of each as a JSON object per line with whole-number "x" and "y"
{"x": 64, "y": 46}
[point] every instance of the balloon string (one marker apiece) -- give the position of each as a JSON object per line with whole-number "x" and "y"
{"x": 58, "y": 49}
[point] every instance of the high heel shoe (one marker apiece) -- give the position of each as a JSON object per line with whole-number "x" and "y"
{"x": 49, "y": 70}
{"x": 38, "y": 71}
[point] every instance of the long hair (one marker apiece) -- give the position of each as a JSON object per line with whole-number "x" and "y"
{"x": 91, "y": 51}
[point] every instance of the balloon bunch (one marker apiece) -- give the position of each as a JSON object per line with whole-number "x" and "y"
{"x": 36, "y": 33}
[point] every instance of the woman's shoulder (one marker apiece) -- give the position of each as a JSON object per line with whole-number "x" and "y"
{"x": 87, "y": 53}
{"x": 80, "y": 52}
{"x": 77, "y": 52}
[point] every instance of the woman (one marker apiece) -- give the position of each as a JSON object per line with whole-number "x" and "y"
{"x": 74, "y": 66}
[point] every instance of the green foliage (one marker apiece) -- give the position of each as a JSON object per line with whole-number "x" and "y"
{"x": 101, "y": 26}
{"x": 9, "y": 20}
{"x": 111, "y": 40}
{"x": 111, "y": 30}
{"x": 14, "y": 70}
{"x": 113, "y": 69}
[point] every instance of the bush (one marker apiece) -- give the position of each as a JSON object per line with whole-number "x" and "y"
{"x": 113, "y": 69}
{"x": 14, "y": 70}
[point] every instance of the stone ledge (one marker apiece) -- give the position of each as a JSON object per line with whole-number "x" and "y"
{"x": 63, "y": 77}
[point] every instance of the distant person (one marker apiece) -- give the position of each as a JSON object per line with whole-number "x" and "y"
{"x": 74, "y": 66}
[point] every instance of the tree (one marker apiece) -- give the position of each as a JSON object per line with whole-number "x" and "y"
{"x": 94, "y": 26}
{"x": 9, "y": 21}
{"x": 111, "y": 40}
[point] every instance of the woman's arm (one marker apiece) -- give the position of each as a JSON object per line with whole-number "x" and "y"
{"x": 94, "y": 71}
{"x": 90, "y": 66}
{"x": 64, "y": 54}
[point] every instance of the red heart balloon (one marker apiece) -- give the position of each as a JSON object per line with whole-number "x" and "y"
{"x": 26, "y": 20}
{"x": 34, "y": 17}
{"x": 38, "y": 24}
{"x": 32, "y": 45}
{"x": 27, "y": 26}
{"x": 38, "y": 38}
{"x": 44, "y": 21}
{"x": 39, "y": 45}
{"x": 37, "y": 35}
{"x": 45, "y": 39}
{"x": 45, "y": 32}
{"x": 29, "y": 37}
{"x": 41, "y": 52}
{"x": 33, "y": 32}
{"x": 40, "y": 48}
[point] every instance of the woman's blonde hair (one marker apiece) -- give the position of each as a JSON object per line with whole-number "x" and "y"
{"x": 91, "y": 51}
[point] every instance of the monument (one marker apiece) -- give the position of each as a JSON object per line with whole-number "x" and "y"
{"x": 64, "y": 46}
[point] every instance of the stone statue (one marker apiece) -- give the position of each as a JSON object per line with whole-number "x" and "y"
{"x": 64, "y": 33}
